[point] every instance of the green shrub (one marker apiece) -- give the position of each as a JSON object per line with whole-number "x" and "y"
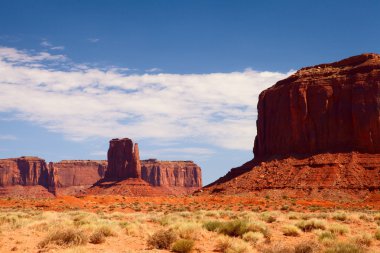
{"x": 162, "y": 239}
{"x": 212, "y": 225}
{"x": 234, "y": 228}
{"x": 183, "y": 246}
{"x": 65, "y": 237}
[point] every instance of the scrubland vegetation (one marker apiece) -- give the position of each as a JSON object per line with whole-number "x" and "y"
{"x": 224, "y": 231}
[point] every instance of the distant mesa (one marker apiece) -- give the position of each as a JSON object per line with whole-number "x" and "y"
{"x": 32, "y": 177}
{"x": 317, "y": 129}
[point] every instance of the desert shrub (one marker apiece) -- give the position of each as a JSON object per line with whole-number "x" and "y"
{"x": 183, "y": 246}
{"x": 212, "y": 225}
{"x": 326, "y": 235}
{"x": 338, "y": 229}
{"x": 65, "y": 237}
{"x": 234, "y": 228}
{"x": 306, "y": 247}
{"x": 278, "y": 248}
{"x": 363, "y": 240}
{"x": 106, "y": 231}
{"x": 259, "y": 227}
{"x": 253, "y": 237}
{"x": 268, "y": 217}
{"x": 290, "y": 230}
{"x": 187, "y": 230}
{"x": 377, "y": 234}
{"x": 344, "y": 247}
{"x": 162, "y": 239}
{"x": 365, "y": 217}
{"x": 309, "y": 225}
{"x": 340, "y": 216}
{"x": 226, "y": 244}
{"x": 97, "y": 238}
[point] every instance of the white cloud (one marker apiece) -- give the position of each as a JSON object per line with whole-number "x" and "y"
{"x": 48, "y": 45}
{"x": 85, "y": 102}
{"x": 153, "y": 70}
{"x": 93, "y": 40}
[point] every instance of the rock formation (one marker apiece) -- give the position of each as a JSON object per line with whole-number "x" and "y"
{"x": 123, "y": 160}
{"x": 79, "y": 172}
{"x": 319, "y": 128}
{"x": 171, "y": 173}
{"x": 25, "y": 171}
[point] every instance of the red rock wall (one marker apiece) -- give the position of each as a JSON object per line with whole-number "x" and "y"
{"x": 79, "y": 172}
{"x": 171, "y": 173}
{"x": 123, "y": 160}
{"x": 27, "y": 171}
{"x": 326, "y": 108}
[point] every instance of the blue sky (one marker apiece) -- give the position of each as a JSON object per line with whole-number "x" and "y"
{"x": 179, "y": 77}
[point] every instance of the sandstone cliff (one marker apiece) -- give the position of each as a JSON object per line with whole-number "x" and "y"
{"x": 123, "y": 160}
{"x": 317, "y": 129}
{"x": 27, "y": 171}
{"x": 171, "y": 173}
{"x": 79, "y": 172}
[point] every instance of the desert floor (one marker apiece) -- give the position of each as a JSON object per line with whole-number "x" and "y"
{"x": 188, "y": 224}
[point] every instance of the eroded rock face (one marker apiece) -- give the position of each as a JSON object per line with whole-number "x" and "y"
{"x": 123, "y": 160}
{"x": 325, "y": 108}
{"x": 26, "y": 171}
{"x": 171, "y": 173}
{"x": 318, "y": 129}
{"x": 79, "y": 172}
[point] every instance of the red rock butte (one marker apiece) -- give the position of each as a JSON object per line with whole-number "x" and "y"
{"x": 318, "y": 128}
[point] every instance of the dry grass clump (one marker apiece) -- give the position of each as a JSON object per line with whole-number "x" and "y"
{"x": 363, "y": 240}
{"x": 291, "y": 230}
{"x": 306, "y": 247}
{"x": 183, "y": 246}
{"x": 377, "y": 234}
{"x": 66, "y": 237}
{"x": 212, "y": 225}
{"x": 278, "y": 248}
{"x": 162, "y": 239}
{"x": 268, "y": 217}
{"x": 227, "y": 244}
{"x": 338, "y": 229}
{"x": 340, "y": 216}
{"x": 252, "y": 237}
{"x": 345, "y": 247}
{"x": 100, "y": 234}
{"x": 187, "y": 230}
{"x": 309, "y": 225}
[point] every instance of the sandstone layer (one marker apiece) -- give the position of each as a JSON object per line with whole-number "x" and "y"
{"x": 27, "y": 171}
{"x": 171, "y": 173}
{"x": 123, "y": 159}
{"x": 317, "y": 129}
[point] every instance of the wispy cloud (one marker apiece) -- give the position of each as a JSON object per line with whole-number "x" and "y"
{"x": 93, "y": 40}
{"x": 85, "y": 102}
{"x": 8, "y": 137}
{"x": 48, "y": 45}
{"x": 153, "y": 70}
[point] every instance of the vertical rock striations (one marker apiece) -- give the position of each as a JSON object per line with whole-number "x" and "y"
{"x": 317, "y": 129}
{"x": 123, "y": 160}
{"x": 171, "y": 173}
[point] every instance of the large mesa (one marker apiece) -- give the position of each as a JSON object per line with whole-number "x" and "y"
{"x": 317, "y": 129}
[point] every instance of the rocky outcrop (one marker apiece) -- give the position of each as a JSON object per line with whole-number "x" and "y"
{"x": 26, "y": 171}
{"x": 317, "y": 129}
{"x": 171, "y": 173}
{"x": 123, "y": 160}
{"x": 325, "y": 108}
{"x": 79, "y": 172}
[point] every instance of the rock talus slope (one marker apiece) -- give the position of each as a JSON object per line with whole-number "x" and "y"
{"x": 318, "y": 128}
